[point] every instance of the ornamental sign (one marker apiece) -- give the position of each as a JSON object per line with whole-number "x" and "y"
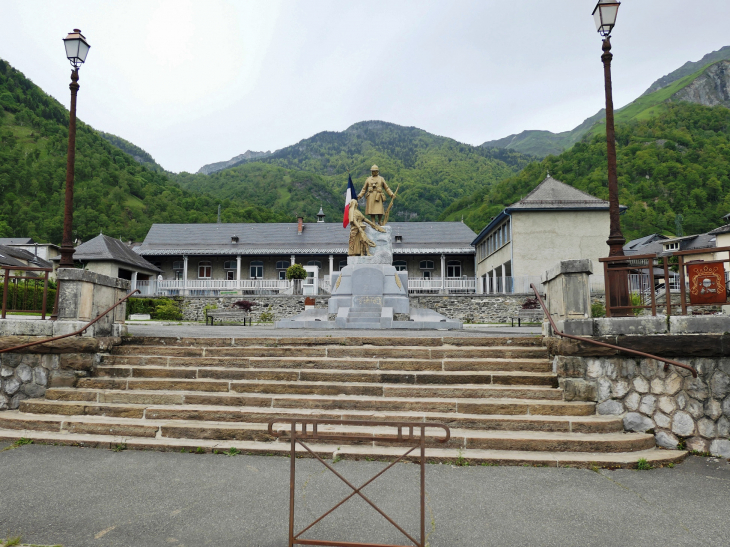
{"x": 707, "y": 283}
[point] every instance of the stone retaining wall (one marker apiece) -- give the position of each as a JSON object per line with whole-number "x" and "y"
{"x": 193, "y": 307}
{"x": 28, "y": 373}
{"x": 679, "y": 409}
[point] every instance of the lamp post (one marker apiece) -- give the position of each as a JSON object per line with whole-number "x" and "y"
{"x": 76, "y": 50}
{"x": 604, "y": 15}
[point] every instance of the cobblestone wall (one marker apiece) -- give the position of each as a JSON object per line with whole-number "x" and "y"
{"x": 24, "y": 377}
{"x": 280, "y": 307}
{"x": 679, "y": 409}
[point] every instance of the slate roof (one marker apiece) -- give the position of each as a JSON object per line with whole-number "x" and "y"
{"x": 24, "y": 257}
{"x": 282, "y": 238}
{"x": 107, "y": 248}
{"x": 654, "y": 243}
{"x": 721, "y": 230}
{"x": 552, "y": 194}
{"x": 16, "y": 241}
{"x": 7, "y": 260}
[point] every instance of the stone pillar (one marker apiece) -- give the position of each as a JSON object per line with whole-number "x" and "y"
{"x": 134, "y": 281}
{"x": 332, "y": 265}
{"x": 478, "y": 283}
{"x": 567, "y": 290}
{"x": 238, "y": 271}
{"x": 292, "y": 260}
{"x": 185, "y": 276}
{"x": 494, "y": 280}
{"x": 504, "y": 278}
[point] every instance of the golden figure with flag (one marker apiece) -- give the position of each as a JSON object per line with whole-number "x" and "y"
{"x": 360, "y": 243}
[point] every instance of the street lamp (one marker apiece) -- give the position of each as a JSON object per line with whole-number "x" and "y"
{"x": 604, "y": 15}
{"x": 76, "y": 50}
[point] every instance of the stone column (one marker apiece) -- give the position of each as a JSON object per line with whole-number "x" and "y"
{"x": 332, "y": 265}
{"x": 567, "y": 289}
{"x": 238, "y": 271}
{"x": 185, "y": 276}
{"x": 134, "y": 281}
{"x": 504, "y": 278}
{"x": 292, "y": 260}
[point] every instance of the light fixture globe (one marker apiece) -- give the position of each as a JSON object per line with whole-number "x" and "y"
{"x": 605, "y": 16}
{"x": 76, "y": 48}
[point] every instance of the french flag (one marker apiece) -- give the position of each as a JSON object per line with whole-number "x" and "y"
{"x": 350, "y": 194}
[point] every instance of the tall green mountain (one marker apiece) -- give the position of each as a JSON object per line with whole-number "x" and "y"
{"x": 113, "y": 192}
{"x": 431, "y": 171}
{"x": 676, "y": 162}
{"x": 697, "y": 82}
{"x": 133, "y": 150}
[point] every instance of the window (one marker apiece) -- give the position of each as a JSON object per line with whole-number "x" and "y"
{"x": 205, "y": 269}
{"x": 178, "y": 274}
{"x": 672, "y": 246}
{"x": 400, "y": 265}
{"x": 282, "y": 265}
{"x": 399, "y": 239}
{"x": 426, "y": 264}
{"x": 426, "y": 274}
{"x": 453, "y": 268}
{"x": 230, "y": 275}
{"x": 282, "y": 274}
{"x": 257, "y": 269}
{"x": 178, "y": 265}
{"x": 229, "y": 265}
{"x": 315, "y": 263}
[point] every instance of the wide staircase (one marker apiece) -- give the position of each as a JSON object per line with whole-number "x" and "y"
{"x": 499, "y": 396}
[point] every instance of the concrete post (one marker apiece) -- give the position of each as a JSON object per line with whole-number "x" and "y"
{"x": 504, "y": 278}
{"x": 494, "y": 280}
{"x": 134, "y": 281}
{"x": 568, "y": 292}
{"x": 443, "y": 274}
{"x": 332, "y": 264}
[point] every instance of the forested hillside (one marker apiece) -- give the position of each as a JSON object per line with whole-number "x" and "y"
{"x": 677, "y": 163}
{"x": 432, "y": 171}
{"x": 113, "y": 192}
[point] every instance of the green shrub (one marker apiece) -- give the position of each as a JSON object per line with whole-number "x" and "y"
{"x": 636, "y": 301}
{"x": 266, "y": 317}
{"x": 296, "y": 271}
{"x": 21, "y": 298}
{"x": 167, "y": 310}
{"x": 598, "y": 310}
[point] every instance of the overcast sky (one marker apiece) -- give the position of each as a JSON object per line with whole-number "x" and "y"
{"x": 194, "y": 82}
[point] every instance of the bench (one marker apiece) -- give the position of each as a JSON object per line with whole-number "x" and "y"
{"x": 229, "y": 316}
{"x": 528, "y": 316}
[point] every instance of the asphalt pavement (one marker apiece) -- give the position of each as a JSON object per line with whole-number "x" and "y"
{"x": 80, "y": 497}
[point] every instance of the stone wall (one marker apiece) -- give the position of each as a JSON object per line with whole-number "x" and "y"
{"x": 679, "y": 409}
{"x": 193, "y": 307}
{"x": 28, "y": 373}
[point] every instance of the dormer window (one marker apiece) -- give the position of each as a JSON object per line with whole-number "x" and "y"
{"x": 234, "y": 239}
{"x": 671, "y": 246}
{"x": 399, "y": 239}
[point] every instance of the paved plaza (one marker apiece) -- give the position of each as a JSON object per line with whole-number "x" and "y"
{"x": 80, "y": 497}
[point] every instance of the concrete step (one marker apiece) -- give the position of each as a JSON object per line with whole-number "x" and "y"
{"x": 460, "y": 438}
{"x": 381, "y": 340}
{"x": 324, "y": 388}
{"x": 350, "y": 376}
{"x": 202, "y": 413}
{"x": 369, "y": 319}
{"x": 454, "y": 456}
{"x": 78, "y": 399}
{"x": 477, "y": 364}
{"x": 366, "y": 313}
{"x": 342, "y": 352}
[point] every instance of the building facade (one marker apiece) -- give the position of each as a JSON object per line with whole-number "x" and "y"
{"x": 554, "y": 222}
{"x": 247, "y": 257}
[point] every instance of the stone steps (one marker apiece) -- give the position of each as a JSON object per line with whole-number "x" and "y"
{"x": 613, "y": 460}
{"x": 499, "y": 397}
{"x": 510, "y": 407}
{"x": 303, "y": 387}
{"x": 350, "y": 364}
{"x": 460, "y": 438}
{"x": 331, "y": 375}
{"x": 258, "y": 414}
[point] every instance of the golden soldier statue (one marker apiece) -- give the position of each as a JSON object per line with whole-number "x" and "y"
{"x": 359, "y": 241}
{"x": 374, "y": 191}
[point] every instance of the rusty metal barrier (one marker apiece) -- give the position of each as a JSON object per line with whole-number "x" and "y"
{"x": 666, "y": 362}
{"x": 80, "y": 331}
{"x": 21, "y": 294}
{"x": 405, "y": 434}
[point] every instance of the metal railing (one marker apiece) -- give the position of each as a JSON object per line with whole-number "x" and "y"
{"x": 311, "y": 430}
{"x": 75, "y": 333}
{"x": 666, "y": 362}
{"x": 25, "y": 293}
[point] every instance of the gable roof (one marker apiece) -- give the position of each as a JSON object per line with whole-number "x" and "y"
{"x": 107, "y": 248}
{"x": 283, "y": 238}
{"x": 6, "y": 259}
{"x": 16, "y": 241}
{"x": 24, "y": 257}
